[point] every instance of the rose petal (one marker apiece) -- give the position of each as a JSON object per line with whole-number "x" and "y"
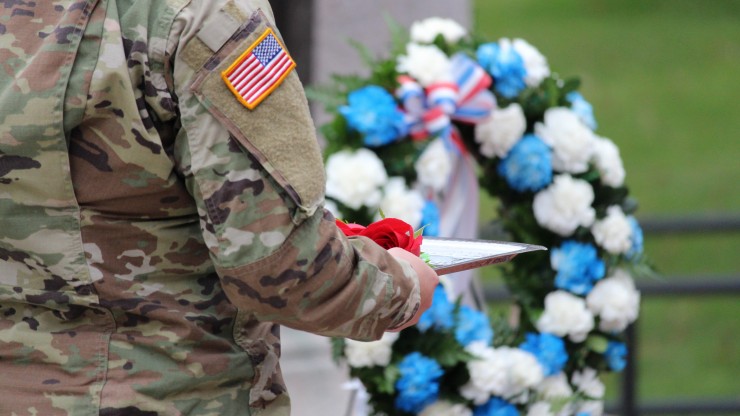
{"x": 392, "y": 232}
{"x": 350, "y": 229}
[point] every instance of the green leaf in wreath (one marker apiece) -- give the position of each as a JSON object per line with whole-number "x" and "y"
{"x": 597, "y": 343}
{"x": 365, "y": 53}
{"x": 391, "y": 373}
{"x": 328, "y": 97}
{"x": 337, "y": 349}
{"x": 570, "y": 85}
{"x": 450, "y": 357}
{"x": 399, "y": 36}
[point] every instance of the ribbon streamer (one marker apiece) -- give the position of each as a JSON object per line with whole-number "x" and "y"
{"x": 463, "y": 97}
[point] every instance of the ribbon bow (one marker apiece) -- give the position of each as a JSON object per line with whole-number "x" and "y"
{"x": 464, "y": 97}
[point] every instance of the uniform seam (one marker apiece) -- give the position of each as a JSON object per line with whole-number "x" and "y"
{"x": 164, "y": 25}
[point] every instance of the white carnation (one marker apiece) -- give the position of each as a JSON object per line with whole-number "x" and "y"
{"x": 505, "y": 372}
{"x": 543, "y": 408}
{"x": 540, "y": 409}
{"x": 355, "y": 178}
{"x": 615, "y": 300}
{"x": 587, "y": 382}
{"x": 425, "y": 63}
{"x": 401, "y": 202}
{"x": 608, "y": 162}
{"x": 591, "y": 408}
{"x": 425, "y": 31}
{"x": 613, "y": 232}
{"x": 434, "y": 166}
{"x": 525, "y": 372}
{"x": 489, "y": 373}
{"x": 534, "y": 62}
{"x": 474, "y": 393}
{"x": 572, "y": 142}
{"x": 555, "y": 387}
{"x": 501, "y": 130}
{"x": 565, "y": 205}
{"x": 566, "y": 314}
{"x": 370, "y": 354}
{"x": 445, "y": 408}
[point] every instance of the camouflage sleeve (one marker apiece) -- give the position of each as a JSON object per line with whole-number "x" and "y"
{"x": 257, "y": 178}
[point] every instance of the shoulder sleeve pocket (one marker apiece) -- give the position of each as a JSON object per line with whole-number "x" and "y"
{"x": 277, "y": 129}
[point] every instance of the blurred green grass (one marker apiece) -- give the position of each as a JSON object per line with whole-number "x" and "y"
{"x": 663, "y": 77}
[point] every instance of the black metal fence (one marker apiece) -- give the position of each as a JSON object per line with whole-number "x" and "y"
{"x": 629, "y": 404}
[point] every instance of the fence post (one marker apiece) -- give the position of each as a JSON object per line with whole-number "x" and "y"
{"x": 628, "y": 399}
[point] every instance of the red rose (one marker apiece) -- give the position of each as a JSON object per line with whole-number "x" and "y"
{"x": 392, "y": 232}
{"x": 350, "y": 229}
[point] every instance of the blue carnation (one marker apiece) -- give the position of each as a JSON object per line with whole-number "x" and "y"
{"x": 418, "y": 385}
{"x": 506, "y": 67}
{"x": 583, "y": 109}
{"x": 496, "y": 407}
{"x": 373, "y": 112}
{"x": 440, "y": 314}
{"x": 578, "y": 267}
{"x": 528, "y": 166}
{"x": 637, "y": 239}
{"x": 473, "y": 325}
{"x": 616, "y": 355}
{"x": 430, "y": 218}
{"x": 549, "y": 350}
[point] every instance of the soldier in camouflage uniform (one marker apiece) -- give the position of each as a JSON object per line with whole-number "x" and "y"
{"x": 154, "y": 231}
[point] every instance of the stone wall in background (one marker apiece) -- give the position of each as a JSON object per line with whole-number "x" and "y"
{"x": 336, "y": 21}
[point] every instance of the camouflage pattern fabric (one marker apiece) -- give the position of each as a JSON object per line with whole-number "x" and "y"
{"x": 154, "y": 233}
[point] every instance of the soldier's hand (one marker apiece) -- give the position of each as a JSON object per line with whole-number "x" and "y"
{"x": 428, "y": 281}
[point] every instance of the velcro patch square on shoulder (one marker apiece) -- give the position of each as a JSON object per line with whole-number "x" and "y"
{"x": 259, "y": 70}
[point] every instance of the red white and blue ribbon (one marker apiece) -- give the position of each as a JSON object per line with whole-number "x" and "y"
{"x": 464, "y": 97}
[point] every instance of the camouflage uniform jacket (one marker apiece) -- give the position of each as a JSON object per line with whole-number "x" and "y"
{"x": 154, "y": 232}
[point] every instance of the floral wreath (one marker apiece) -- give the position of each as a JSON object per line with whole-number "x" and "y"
{"x": 442, "y": 94}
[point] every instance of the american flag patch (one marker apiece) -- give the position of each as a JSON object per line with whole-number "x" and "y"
{"x": 259, "y": 70}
